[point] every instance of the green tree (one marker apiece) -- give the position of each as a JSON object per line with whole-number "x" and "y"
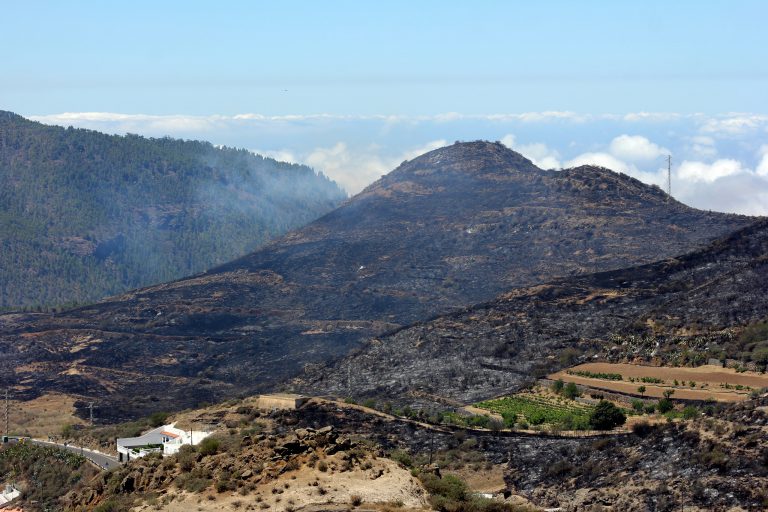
{"x": 606, "y": 416}
{"x": 571, "y": 391}
{"x": 557, "y": 386}
{"x": 665, "y": 405}
{"x": 641, "y": 390}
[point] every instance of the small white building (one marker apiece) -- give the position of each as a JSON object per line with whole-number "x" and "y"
{"x": 166, "y": 439}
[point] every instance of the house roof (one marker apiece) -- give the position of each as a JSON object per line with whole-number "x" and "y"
{"x": 169, "y": 434}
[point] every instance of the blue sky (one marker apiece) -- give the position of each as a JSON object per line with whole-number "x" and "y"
{"x": 351, "y": 87}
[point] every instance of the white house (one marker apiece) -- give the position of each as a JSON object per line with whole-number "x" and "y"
{"x": 166, "y": 439}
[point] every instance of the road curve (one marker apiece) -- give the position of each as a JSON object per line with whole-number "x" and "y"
{"x": 100, "y": 459}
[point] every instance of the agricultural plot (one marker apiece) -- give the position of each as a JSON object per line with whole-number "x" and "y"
{"x": 538, "y": 409}
{"x": 700, "y": 383}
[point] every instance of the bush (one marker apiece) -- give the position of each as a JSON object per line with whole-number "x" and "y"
{"x": 450, "y": 487}
{"x": 557, "y": 386}
{"x": 690, "y": 412}
{"x": 606, "y": 416}
{"x": 570, "y": 391}
{"x": 638, "y": 405}
{"x": 186, "y": 457}
{"x": 401, "y": 457}
{"x": 209, "y": 446}
{"x": 650, "y": 408}
{"x": 665, "y": 405}
{"x": 107, "y": 506}
{"x": 642, "y": 428}
{"x": 158, "y": 418}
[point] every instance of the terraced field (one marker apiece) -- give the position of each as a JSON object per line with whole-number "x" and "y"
{"x": 539, "y": 409}
{"x": 700, "y": 383}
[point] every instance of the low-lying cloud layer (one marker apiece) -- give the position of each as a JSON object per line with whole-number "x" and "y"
{"x": 718, "y": 162}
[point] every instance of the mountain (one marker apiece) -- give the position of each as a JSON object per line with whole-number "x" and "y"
{"x": 84, "y": 215}
{"x": 677, "y": 311}
{"x": 456, "y": 226}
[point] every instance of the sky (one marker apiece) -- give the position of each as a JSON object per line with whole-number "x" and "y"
{"x": 354, "y": 88}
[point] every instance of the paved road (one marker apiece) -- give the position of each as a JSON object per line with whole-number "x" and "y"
{"x": 102, "y": 460}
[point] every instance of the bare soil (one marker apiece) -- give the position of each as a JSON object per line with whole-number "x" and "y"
{"x": 385, "y": 483}
{"x": 709, "y": 376}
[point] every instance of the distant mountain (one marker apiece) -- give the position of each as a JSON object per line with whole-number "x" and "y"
{"x": 84, "y": 215}
{"x": 680, "y": 310}
{"x": 456, "y": 226}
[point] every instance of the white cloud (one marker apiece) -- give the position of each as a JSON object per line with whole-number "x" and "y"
{"x": 709, "y": 173}
{"x": 279, "y": 155}
{"x": 651, "y": 116}
{"x": 734, "y": 124}
{"x": 635, "y": 148}
{"x": 701, "y": 146}
{"x": 355, "y": 168}
{"x": 537, "y": 152}
{"x": 762, "y": 167}
{"x": 599, "y": 159}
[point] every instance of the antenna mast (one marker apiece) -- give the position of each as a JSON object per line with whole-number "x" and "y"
{"x": 669, "y": 177}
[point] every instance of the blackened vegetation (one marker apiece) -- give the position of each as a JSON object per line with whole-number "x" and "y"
{"x": 695, "y": 303}
{"x": 714, "y": 463}
{"x": 453, "y": 227}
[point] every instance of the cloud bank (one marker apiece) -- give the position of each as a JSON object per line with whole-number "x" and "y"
{"x": 720, "y": 162}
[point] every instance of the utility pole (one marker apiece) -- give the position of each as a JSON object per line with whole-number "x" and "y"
{"x": 6, "y": 412}
{"x": 669, "y": 177}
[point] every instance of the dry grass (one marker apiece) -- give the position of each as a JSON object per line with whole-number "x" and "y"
{"x": 43, "y": 416}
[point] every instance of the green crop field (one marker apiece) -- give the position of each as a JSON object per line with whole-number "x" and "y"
{"x": 539, "y": 410}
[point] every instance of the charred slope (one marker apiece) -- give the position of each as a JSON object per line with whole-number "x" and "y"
{"x": 453, "y": 227}
{"x": 691, "y": 303}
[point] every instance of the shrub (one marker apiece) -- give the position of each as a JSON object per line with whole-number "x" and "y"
{"x": 650, "y": 408}
{"x": 606, "y": 416}
{"x": 158, "y": 418}
{"x": 690, "y": 412}
{"x": 186, "y": 457}
{"x": 107, "y": 506}
{"x": 638, "y": 405}
{"x": 642, "y": 428}
{"x": 570, "y": 391}
{"x": 557, "y": 386}
{"x": 401, "y": 457}
{"x": 355, "y": 500}
{"x": 664, "y": 405}
{"x": 209, "y": 446}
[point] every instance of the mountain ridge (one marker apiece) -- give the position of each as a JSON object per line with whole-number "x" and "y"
{"x": 84, "y": 214}
{"x": 430, "y": 239}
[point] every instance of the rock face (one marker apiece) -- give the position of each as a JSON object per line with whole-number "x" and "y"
{"x": 453, "y": 227}
{"x": 690, "y": 304}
